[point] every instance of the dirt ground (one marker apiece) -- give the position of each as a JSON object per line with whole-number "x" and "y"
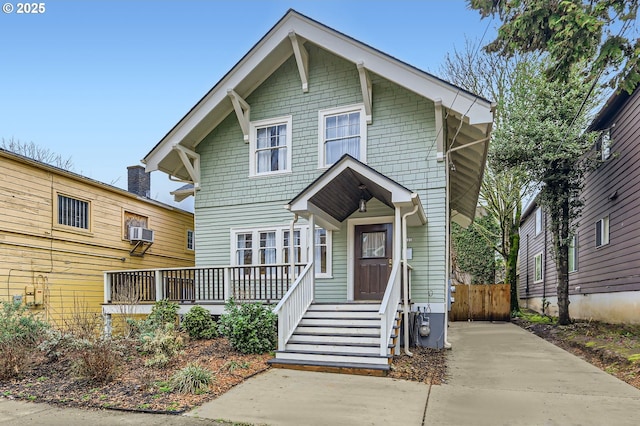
{"x": 147, "y": 389}
{"x": 614, "y": 348}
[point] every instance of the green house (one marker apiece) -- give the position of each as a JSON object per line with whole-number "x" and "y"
{"x": 325, "y": 175}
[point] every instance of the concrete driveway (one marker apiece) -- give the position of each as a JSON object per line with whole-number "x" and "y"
{"x": 499, "y": 375}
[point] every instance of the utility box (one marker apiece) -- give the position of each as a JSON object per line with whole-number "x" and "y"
{"x": 33, "y": 296}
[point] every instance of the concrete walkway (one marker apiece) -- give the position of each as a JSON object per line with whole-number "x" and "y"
{"x": 503, "y": 375}
{"x": 499, "y": 375}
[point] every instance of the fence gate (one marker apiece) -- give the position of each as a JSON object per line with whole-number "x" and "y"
{"x": 481, "y": 302}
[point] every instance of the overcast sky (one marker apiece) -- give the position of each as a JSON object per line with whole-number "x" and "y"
{"x": 103, "y": 81}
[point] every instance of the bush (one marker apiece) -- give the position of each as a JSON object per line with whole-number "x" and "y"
{"x": 192, "y": 379}
{"x": 251, "y": 327}
{"x": 20, "y": 333}
{"x": 163, "y": 312}
{"x": 163, "y": 344}
{"x": 97, "y": 360}
{"x": 199, "y": 324}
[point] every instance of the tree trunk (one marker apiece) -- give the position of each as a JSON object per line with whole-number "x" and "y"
{"x": 560, "y": 226}
{"x": 512, "y": 263}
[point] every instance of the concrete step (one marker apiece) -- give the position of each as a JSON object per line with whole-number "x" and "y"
{"x": 332, "y": 367}
{"x": 314, "y": 356}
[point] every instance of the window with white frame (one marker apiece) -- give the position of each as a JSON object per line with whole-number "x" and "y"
{"x": 271, "y": 246}
{"x": 537, "y": 267}
{"x": 190, "y": 240}
{"x": 573, "y": 254}
{"x": 602, "y": 231}
{"x": 538, "y": 221}
{"x": 604, "y": 144}
{"x": 342, "y": 131}
{"x": 73, "y": 212}
{"x": 270, "y": 143}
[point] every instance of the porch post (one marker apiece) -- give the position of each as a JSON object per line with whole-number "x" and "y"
{"x": 158, "y": 276}
{"x": 312, "y": 252}
{"x": 397, "y": 255}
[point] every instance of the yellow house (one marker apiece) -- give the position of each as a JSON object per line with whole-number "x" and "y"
{"x": 59, "y": 231}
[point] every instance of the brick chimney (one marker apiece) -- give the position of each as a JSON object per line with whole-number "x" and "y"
{"x": 139, "y": 181}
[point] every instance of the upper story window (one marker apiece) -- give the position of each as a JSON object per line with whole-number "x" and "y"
{"x": 133, "y": 220}
{"x": 604, "y": 144}
{"x": 73, "y": 212}
{"x": 191, "y": 244}
{"x": 538, "y": 221}
{"x": 270, "y": 143}
{"x": 602, "y": 231}
{"x": 342, "y": 131}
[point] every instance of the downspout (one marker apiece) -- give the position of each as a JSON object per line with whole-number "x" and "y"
{"x": 447, "y": 261}
{"x": 405, "y": 280}
{"x": 292, "y": 258}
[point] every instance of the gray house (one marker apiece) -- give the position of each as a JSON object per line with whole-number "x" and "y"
{"x": 604, "y": 258}
{"x": 325, "y": 176}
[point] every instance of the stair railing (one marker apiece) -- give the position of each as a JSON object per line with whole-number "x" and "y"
{"x": 389, "y": 307}
{"x": 294, "y": 304}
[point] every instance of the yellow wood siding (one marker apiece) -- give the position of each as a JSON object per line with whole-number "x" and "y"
{"x": 67, "y": 263}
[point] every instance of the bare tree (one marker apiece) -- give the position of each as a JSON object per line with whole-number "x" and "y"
{"x": 38, "y": 153}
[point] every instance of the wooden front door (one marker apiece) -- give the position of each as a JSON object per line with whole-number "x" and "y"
{"x": 373, "y": 260}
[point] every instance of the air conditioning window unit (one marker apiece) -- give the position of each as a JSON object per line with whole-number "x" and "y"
{"x": 138, "y": 233}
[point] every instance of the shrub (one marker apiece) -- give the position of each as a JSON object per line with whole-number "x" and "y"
{"x": 251, "y": 327}
{"x": 163, "y": 344}
{"x": 199, "y": 324}
{"x": 98, "y": 360}
{"x": 20, "y": 332}
{"x": 163, "y": 312}
{"x": 192, "y": 379}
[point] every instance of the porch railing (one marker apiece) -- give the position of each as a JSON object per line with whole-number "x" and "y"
{"x": 389, "y": 307}
{"x": 246, "y": 283}
{"x": 293, "y": 305}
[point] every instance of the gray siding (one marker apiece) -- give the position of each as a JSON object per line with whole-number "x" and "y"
{"x": 613, "y": 267}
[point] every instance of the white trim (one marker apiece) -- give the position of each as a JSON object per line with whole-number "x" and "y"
{"x": 270, "y": 122}
{"x": 322, "y": 114}
{"x": 351, "y": 229}
{"x": 302, "y": 60}
{"x": 541, "y": 267}
{"x": 604, "y": 225}
{"x": 305, "y": 240}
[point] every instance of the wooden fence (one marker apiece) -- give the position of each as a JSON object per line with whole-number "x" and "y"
{"x": 481, "y": 302}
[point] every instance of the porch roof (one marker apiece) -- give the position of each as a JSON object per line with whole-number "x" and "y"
{"x": 336, "y": 194}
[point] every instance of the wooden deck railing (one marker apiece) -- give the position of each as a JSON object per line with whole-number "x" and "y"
{"x": 247, "y": 283}
{"x": 389, "y": 307}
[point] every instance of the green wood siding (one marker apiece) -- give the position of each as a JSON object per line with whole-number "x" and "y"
{"x": 401, "y": 144}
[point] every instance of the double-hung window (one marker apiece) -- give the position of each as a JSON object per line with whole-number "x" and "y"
{"x": 602, "y": 231}
{"x": 573, "y": 254}
{"x": 342, "y": 131}
{"x": 537, "y": 267}
{"x": 73, "y": 212}
{"x": 272, "y": 246}
{"x": 270, "y": 143}
{"x": 538, "y": 221}
{"x": 190, "y": 240}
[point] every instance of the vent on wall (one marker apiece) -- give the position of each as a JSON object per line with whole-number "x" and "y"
{"x": 138, "y": 233}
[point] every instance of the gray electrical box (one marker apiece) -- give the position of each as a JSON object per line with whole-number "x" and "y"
{"x": 17, "y": 299}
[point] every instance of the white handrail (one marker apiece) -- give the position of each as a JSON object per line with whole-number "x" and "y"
{"x": 293, "y": 305}
{"x": 388, "y": 307}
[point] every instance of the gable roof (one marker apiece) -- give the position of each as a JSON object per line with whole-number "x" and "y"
{"x": 335, "y": 195}
{"x": 469, "y": 117}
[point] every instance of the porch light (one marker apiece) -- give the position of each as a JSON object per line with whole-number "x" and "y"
{"x": 363, "y": 203}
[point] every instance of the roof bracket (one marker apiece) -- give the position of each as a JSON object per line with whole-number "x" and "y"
{"x": 191, "y": 162}
{"x": 302, "y": 59}
{"x": 242, "y": 110}
{"x": 365, "y": 86}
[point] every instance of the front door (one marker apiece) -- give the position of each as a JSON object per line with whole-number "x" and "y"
{"x": 373, "y": 246}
